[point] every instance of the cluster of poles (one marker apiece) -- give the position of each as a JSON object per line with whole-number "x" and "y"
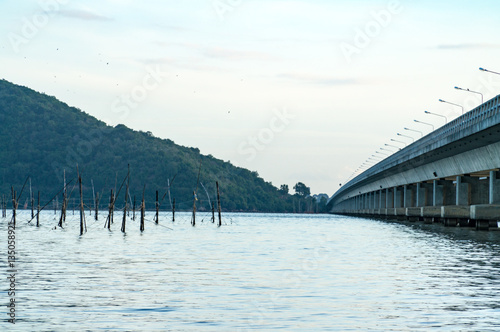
{"x": 35, "y": 211}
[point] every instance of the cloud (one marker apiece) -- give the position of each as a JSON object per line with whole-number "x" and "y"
{"x": 83, "y": 15}
{"x": 311, "y": 79}
{"x": 466, "y": 46}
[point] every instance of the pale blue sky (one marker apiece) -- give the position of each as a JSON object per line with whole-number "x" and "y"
{"x": 267, "y": 84}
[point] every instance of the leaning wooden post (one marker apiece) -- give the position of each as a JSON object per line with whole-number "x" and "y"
{"x": 173, "y": 211}
{"x": 38, "y": 211}
{"x": 218, "y": 203}
{"x": 157, "y": 204}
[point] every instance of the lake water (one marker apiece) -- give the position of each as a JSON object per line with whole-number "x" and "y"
{"x": 258, "y": 272}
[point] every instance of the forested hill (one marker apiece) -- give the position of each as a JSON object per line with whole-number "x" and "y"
{"x": 42, "y": 137}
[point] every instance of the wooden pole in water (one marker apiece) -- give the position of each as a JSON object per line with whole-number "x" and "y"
{"x": 173, "y": 211}
{"x": 157, "y": 204}
{"x": 193, "y": 220}
{"x": 143, "y": 207}
{"x": 14, "y": 206}
{"x": 83, "y": 227}
{"x": 218, "y": 203}
{"x": 110, "y": 212}
{"x": 38, "y": 211}
{"x": 126, "y": 201}
{"x": 32, "y": 205}
{"x": 96, "y": 213}
{"x": 213, "y": 213}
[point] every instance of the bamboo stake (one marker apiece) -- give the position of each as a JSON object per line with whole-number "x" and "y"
{"x": 173, "y": 211}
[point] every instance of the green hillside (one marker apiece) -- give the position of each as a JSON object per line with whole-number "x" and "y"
{"x": 41, "y": 137}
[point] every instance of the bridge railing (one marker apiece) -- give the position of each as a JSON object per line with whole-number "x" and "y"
{"x": 477, "y": 119}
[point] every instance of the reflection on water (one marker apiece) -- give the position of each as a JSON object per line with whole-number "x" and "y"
{"x": 257, "y": 272}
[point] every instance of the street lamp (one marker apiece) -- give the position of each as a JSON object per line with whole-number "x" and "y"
{"x": 374, "y": 155}
{"x": 468, "y": 90}
{"x": 417, "y": 131}
{"x": 489, "y": 71}
{"x": 395, "y": 140}
{"x": 445, "y": 118}
{"x": 443, "y": 101}
{"x": 406, "y": 136}
{"x": 387, "y": 150}
{"x": 397, "y": 147}
{"x": 425, "y": 124}
{"x": 385, "y": 154}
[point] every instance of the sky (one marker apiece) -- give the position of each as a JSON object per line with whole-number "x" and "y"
{"x": 299, "y": 91}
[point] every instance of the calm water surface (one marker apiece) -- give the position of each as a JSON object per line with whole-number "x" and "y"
{"x": 258, "y": 272}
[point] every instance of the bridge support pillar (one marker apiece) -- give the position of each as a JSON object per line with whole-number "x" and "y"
{"x": 494, "y": 192}
{"x": 409, "y": 199}
{"x": 398, "y": 197}
{"x": 424, "y": 194}
{"x": 443, "y": 193}
{"x": 389, "y": 198}
{"x": 463, "y": 190}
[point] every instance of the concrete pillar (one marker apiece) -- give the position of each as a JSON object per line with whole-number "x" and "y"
{"x": 387, "y": 198}
{"x": 424, "y": 194}
{"x": 494, "y": 187}
{"x": 462, "y": 191}
{"x": 398, "y": 197}
{"x": 395, "y": 197}
{"x": 381, "y": 199}
{"x": 443, "y": 193}
{"x": 471, "y": 191}
{"x": 409, "y": 193}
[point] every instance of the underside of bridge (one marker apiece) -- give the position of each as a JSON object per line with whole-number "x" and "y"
{"x": 451, "y": 175}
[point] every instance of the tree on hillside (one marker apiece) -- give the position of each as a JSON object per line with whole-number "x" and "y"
{"x": 284, "y": 189}
{"x": 302, "y": 190}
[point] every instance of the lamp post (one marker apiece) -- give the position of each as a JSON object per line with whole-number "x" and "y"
{"x": 425, "y": 124}
{"x": 445, "y": 118}
{"x": 406, "y": 136}
{"x": 395, "y": 140}
{"x": 385, "y": 154}
{"x": 444, "y": 101}
{"x": 393, "y": 146}
{"x": 417, "y": 131}
{"x": 374, "y": 155}
{"x": 489, "y": 71}
{"x": 468, "y": 90}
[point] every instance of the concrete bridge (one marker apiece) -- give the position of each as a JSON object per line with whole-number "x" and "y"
{"x": 452, "y": 176}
